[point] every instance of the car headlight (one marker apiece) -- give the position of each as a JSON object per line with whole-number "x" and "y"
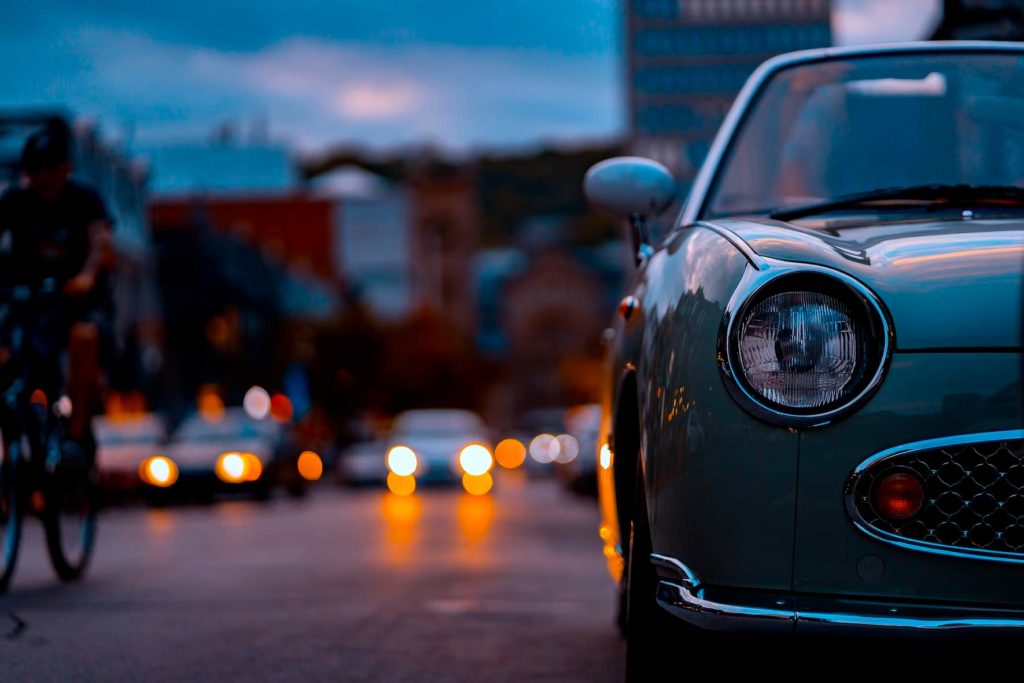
{"x": 805, "y": 347}
{"x": 232, "y": 467}
{"x": 402, "y": 461}
{"x": 476, "y": 459}
{"x": 159, "y": 471}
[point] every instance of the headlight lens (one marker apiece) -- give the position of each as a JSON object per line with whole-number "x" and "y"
{"x": 802, "y": 350}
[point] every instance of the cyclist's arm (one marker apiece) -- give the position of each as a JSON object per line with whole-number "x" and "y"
{"x": 101, "y": 256}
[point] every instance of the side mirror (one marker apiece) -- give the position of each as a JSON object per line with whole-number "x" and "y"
{"x": 633, "y": 188}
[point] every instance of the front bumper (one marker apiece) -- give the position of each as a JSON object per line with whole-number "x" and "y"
{"x": 681, "y": 594}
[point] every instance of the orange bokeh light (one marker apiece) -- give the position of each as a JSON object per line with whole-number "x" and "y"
{"x": 310, "y": 465}
{"x": 401, "y": 486}
{"x": 211, "y": 405}
{"x": 253, "y": 467}
{"x": 477, "y": 485}
{"x": 510, "y": 453}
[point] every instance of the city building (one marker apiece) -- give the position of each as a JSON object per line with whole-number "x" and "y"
{"x": 542, "y": 305}
{"x": 446, "y": 220}
{"x": 687, "y": 59}
{"x": 296, "y": 228}
{"x": 372, "y": 237}
{"x": 346, "y": 228}
{"x": 221, "y": 166}
{"x": 981, "y": 20}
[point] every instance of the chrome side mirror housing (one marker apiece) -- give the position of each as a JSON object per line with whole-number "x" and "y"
{"x": 633, "y": 188}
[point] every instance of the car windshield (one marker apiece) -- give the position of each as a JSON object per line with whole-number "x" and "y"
{"x": 229, "y": 426}
{"x": 826, "y": 131}
{"x": 437, "y": 423}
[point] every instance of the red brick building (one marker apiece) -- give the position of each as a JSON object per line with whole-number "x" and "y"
{"x": 296, "y": 228}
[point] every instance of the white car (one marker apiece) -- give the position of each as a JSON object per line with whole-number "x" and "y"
{"x": 122, "y": 444}
{"x": 439, "y": 445}
{"x": 227, "y": 452}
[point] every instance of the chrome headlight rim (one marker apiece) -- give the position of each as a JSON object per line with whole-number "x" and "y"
{"x": 778, "y": 278}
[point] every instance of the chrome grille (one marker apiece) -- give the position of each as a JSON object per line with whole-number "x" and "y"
{"x": 974, "y": 496}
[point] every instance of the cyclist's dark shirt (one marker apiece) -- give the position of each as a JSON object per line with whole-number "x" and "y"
{"x": 51, "y": 239}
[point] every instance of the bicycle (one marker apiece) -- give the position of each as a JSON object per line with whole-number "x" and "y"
{"x": 42, "y": 471}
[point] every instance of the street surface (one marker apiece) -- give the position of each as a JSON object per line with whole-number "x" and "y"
{"x": 342, "y": 586}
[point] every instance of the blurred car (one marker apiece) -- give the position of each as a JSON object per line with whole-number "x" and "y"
{"x": 583, "y": 424}
{"x": 122, "y": 444}
{"x": 814, "y": 383}
{"x": 538, "y": 430}
{"x": 439, "y": 445}
{"x": 230, "y": 452}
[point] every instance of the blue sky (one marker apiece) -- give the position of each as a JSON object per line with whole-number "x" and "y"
{"x": 381, "y": 72}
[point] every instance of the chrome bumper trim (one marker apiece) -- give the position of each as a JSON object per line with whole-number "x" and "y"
{"x": 684, "y": 597}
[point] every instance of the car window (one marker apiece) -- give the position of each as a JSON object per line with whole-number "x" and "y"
{"x": 198, "y": 428}
{"x": 831, "y": 129}
{"x": 437, "y": 422}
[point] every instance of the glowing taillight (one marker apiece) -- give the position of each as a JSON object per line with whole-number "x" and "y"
{"x": 898, "y": 496}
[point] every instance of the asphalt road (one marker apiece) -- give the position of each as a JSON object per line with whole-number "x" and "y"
{"x": 343, "y": 586}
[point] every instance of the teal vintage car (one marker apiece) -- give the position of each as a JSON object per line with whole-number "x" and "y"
{"x": 813, "y": 407}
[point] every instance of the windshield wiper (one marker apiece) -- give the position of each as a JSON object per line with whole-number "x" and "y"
{"x": 949, "y": 194}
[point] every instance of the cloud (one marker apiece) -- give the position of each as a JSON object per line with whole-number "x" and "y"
{"x": 448, "y": 72}
{"x": 314, "y": 91}
{"x": 376, "y": 101}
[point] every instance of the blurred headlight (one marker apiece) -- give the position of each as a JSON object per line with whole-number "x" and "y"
{"x": 808, "y": 352}
{"x": 402, "y": 461}
{"x": 158, "y": 471}
{"x": 544, "y": 448}
{"x": 253, "y": 466}
{"x": 568, "y": 448}
{"x": 231, "y": 467}
{"x": 475, "y": 460}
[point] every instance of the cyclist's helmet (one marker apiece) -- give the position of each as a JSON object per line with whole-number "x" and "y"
{"x": 46, "y": 148}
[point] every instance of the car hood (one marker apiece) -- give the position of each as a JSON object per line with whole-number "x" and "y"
{"x": 948, "y": 284}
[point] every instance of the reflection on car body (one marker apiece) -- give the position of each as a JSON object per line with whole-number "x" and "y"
{"x": 813, "y": 413}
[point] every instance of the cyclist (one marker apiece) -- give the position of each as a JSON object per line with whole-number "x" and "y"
{"x": 59, "y": 230}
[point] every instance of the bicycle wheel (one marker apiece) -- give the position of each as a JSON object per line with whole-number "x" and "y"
{"x": 70, "y": 519}
{"x": 10, "y": 513}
